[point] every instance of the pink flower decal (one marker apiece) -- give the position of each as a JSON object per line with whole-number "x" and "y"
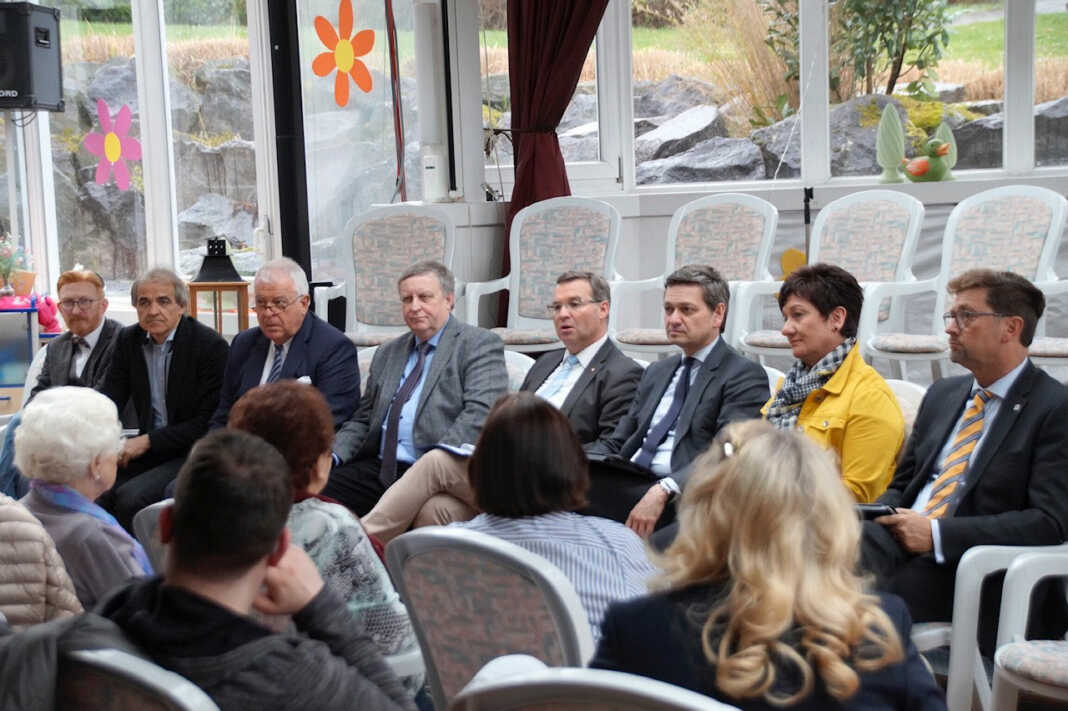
{"x": 113, "y": 146}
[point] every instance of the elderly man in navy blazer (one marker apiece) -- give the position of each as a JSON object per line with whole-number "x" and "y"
{"x": 292, "y": 343}
{"x": 987, "y": 462}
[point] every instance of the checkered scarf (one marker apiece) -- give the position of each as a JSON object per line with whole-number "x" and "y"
{"x": 800, "y": 382}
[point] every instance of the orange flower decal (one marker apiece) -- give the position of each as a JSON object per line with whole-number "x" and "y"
{"x": 344, "y": 52}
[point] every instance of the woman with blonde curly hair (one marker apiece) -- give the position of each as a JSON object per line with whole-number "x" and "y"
{"x": 760, "y": 604}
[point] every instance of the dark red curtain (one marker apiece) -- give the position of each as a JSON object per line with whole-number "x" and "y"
{"x": 547, "y": 44}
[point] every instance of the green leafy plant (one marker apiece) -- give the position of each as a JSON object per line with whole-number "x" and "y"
{"x": 776, "y": 113}
{"x": 12, "y": 256}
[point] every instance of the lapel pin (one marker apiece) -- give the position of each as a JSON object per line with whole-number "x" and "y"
{"x": 1016, "y": 407}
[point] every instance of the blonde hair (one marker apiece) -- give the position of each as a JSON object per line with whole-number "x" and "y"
{"x": 765, "y": 514}
{"x": 63, "y": 429}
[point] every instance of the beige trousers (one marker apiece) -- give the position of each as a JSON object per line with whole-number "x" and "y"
{"x": 433, "y": 492}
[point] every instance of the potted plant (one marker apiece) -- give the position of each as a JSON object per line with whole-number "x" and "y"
{"x": 13, "y": 259}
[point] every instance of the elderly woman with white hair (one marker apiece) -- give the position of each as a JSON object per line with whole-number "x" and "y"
{"x": 68, "y": 447}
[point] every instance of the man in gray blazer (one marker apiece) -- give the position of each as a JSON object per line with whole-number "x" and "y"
{"x": 433, "y": 386}
{"x": 80, "y": 356}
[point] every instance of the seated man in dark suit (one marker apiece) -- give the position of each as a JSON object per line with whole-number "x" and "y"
{"x": 229, "y": 554}
{"x": 80, "y": 356}
{"x": 290, "y": 343}
{"x": 589, "y": 380}
{"x": 682, "y": 402}
{"x": 433, "y": 386}
{"x": 987, "y": 459}
{"x": 170, "y": 366}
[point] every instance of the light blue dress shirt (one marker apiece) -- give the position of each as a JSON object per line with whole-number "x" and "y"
{"x": 158, "y": 362}
{"x": 406, "y": 449}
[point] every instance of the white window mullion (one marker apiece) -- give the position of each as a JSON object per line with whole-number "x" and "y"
{"x": 154, "y": 110}
{"x": 267, "y": 236}
{"x": 1018, "y": 135}
{"x": 815, "y": 93}
{"x": 466, "y": 100}
{"x": 40, "y": 200}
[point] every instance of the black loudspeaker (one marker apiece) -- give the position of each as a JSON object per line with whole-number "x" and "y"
{"x": 31, "y": 73}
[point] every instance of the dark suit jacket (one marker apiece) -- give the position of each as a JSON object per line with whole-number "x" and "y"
{"x": 198, "y": 358}
{"x": 56, "y": 369}
{"x": 658, "y": 637}
{"x": 466, "y": 377}
{"x": 727, "y": 388}
{"x": 601, "y": 395}
{"x": 1016, "y": 491}
{"x": 318, "y": 351}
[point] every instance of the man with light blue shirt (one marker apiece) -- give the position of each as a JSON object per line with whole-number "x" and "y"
{"x": 681, "y": 403}
{"x": 431, "y": 387}
{"x": 986, "y": 462}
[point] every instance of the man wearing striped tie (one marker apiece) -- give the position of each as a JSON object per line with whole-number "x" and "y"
{"x": 987, "y": 459}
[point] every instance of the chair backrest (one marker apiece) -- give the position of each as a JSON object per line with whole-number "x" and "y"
{"x": 383, "y": 243}
{"x": 733, "y": 232}
{"x": 146, "y": 531}
{"x": 518, "y": 366}
{"x": 551, "y": 237}
{"x": 582, "y": 690}
{"x": 113, "y": 680}
{"x": 846, "y": 229}
{"x": 473, "y": 597}
{"x": 909, "y": 396}
{"x": 774, "y": 377}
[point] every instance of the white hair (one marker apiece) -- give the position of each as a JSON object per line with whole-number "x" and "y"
{"x": 283, "y": 265}
{"x": 63, "y": 430}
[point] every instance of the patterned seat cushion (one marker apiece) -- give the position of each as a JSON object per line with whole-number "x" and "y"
{"x": 1049, "y": 348}
{"x": 643, "y": 337}
{"x": 1045, "y": 661}
{"x": 366, "y": 340}
{"x": 909, "y": 343}
{"x": 525, "y": 337}
{"x": 767, "y": 339}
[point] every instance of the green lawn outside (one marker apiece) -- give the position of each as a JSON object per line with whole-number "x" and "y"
{"x": 175, "y": 33}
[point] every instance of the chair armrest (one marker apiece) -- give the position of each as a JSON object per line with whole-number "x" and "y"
{"x": 746, "y": 295}
{"x": 1023, "y": 574}
{"x": 474, "y": 290}
{"x": 323, "y": 294}
{"x": 875, "y": 292}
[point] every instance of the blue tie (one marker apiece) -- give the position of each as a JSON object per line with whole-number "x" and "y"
{"x": 276, "y": 365}
{"x": 656, "y": 435}
{"x": 388, "y": 472}
{"x": 561, "y": 376}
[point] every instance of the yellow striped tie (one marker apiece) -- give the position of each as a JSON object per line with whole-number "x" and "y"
{"x": 955, "y": 465}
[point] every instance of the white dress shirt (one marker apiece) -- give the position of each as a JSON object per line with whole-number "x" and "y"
{"x": 81, "y": 356}
{"x": 585, "y": 357}
{"x": 270, "y": 358}
{"x": 998, "y": 390}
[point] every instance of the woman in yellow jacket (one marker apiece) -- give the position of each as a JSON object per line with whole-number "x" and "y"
{"x": 830, "y": 393}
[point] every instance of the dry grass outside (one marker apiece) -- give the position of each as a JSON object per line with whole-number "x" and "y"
{"x": 494, "y": 60}
{"x": 656, "y": 64}
{"x": 981, "y": 83}
{"x": 183, "y": 57}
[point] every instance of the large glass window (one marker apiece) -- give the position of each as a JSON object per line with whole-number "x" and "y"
{"x": 348, "y": 117}
{"x": 1051, "y": 84}
{"x": 715, "y": 90}
{"x": 211, "y": 120}
{"x": 96, "y": 149}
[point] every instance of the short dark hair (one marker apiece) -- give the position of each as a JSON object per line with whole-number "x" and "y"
{"x": 713, "y": 287}
{"x": 445, "y": 277}
{"x": 826, "y": 287}
{"x": 291, "y": 416}
{"x": 1007, "y": 293}
{"x": 230, "y": 505}
{"x": 528, "y": 460}
{"x": 599, "y": 289}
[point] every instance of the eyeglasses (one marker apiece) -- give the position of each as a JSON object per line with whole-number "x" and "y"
{"x": 275, "y": 305}
{"x": 82, "y": 303}
{"x": 572, "y": 306}
{"x": 964, "y": 319}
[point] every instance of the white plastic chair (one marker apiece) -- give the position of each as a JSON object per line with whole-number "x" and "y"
{"x": 775, "y": 376}
{"x": 114, "y": 680}
{"x": 377, "y": 247}
{"x": 1039, "y": 667}
{"x": 732, "y": 232}
{"x": 474, "y": 597}
{"x": 146, "y": 531}
{"x": 909, "y": 396}
{"x": 547, "y": 239}
{"x": 872, "y": 234}
{"x": 592, "y": 689}
{"x": 518, "y": 365}
{"x": 364, "y": 356}
{"x": 966, "y": 670}
{"x": 1016, "y": 228}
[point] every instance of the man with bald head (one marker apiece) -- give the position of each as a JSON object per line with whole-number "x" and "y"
{"x": 290, "y": 343}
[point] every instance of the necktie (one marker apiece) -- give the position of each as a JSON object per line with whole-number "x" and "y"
{"x": 560, "y": 377}
{"x": 276, "y": 365}
{"x": 955, "y": 465}
{"x": 657, "y": 434}
{"x": 77, "y": 344}
{"x": 388, "y": 472}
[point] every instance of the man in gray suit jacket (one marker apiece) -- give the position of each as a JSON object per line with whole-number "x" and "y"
{"x": 589, "y": 380}
{"x": 433, "y": 386}
{"x": 80, "y": 356}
